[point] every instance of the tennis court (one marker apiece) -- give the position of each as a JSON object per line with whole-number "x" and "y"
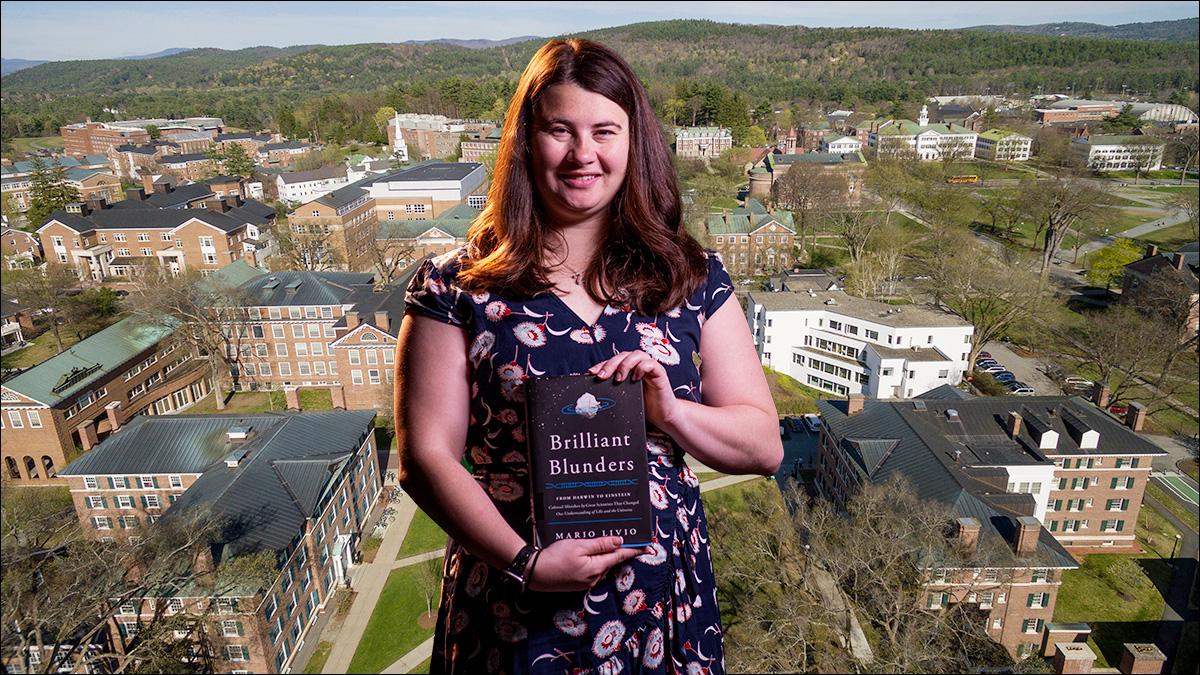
{"x": 1176, "y": 483}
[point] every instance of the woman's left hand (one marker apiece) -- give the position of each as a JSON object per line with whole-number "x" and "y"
{"x": 661, "y": 404}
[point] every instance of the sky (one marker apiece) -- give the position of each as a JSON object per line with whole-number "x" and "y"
{"x": 93, "y": 30}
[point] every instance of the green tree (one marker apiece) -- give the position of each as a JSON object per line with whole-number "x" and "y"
{"x": 755, "y": 137}
{"x": 154, "y": 131}
{"x": 382, "y": 116}
{"x": 1106, "y": 265}
{"x": 50, "y": 191}
{"x": 233, "y": 160}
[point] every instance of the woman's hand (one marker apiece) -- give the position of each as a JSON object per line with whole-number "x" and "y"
{"x": 577, "y": 564}
{"x": 661, "y": 403}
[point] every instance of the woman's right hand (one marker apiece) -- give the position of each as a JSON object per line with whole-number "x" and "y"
{"x": 577, "y": 564}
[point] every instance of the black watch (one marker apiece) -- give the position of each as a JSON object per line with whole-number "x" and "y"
{"x": 517, "y": 568}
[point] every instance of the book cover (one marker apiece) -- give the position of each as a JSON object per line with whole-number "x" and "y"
{"x": 587, "y": 456}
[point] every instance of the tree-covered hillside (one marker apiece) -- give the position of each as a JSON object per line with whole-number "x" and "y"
{"x": 767, "y": 65}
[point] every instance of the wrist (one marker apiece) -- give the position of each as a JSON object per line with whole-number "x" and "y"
{"x": 671, "y": 417}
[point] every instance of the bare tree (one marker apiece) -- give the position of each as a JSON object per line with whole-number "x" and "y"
{"x": 214, "y": 323}
{"x": 854, "y": 227}
{"x": 890, "y": 183}
{"x": 950, "y": 151}
{"x": 45, "y": 290}
{"x": 1003, "y": 207}
{"x": 390, "y": 255}
{"x": 307, "y": 248}
{"x": 1187, "y": 145}
{"x": 1055, "y": 205}
{"x": 807, "y": 189}
{"x": 1144, "y": 152}
{"x": 429, "y": 581}
{"x": 988, "y": 292}
{"x": 63, "y": 592}
{"x": 1189, "y": 205}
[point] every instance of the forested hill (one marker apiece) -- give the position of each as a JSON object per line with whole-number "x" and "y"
{"x": 1181, "y": 30}
{"x": 841, "y": 66}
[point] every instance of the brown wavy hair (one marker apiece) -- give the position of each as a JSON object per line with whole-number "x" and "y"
{"x": 647, "y": 259}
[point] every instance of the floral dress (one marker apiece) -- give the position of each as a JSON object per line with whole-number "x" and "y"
{"x": 656, "y": 613}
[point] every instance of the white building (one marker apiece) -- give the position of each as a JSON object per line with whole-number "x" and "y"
{"x": 838, "y": 343}
{"x": 423, "y": 122}
{"x": 1000, "y": 145}
{"x": 927, "y": 141}
{"x": 304, "y": 186}
{"x": 427, "y": 190}
{"x": 844, "y": 145}
{"x": 1118, "y": 153}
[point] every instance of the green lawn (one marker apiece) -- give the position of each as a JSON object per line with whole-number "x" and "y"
{"x": 392, "y": 630}
{"x": 423, "y": 668}
{"x": 29, "y": 144}
{"x": 316, "y": 662}
{"x": 1185, "y": 514}
{"x": 1169, "y": 238}
{"x": 42, "y": 347}
{"x": 1155, "y": 533}
{"x": 1120, "y": 609}
{"x": 791, "y": 397}
{"x": 250, "y": 402}
{"x": 423, "y": 535}
{"x": 986, "y": 170}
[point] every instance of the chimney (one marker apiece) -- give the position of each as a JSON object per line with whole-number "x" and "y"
{"x": 1135, "y": 417}
{"x": 1101, "y": 394}
{"x": 148, "y": 182}
{"x": 1072, "y": 658}
{"x": 1151, "y": 251}
{"x": 96, "y": 203}
{"x": 1141, "y": 658}
{"x": 87, "y": 435}
{"x": 203, "y": 566}
{"x": 855, "y": 404}
{"x": 217, "y": 205}
{"x": 352, "y": 319}
{"x": 113, "y": 410}
{"x": 382, "y": 320}
{"x": 1028, "y": 528}
{"x": 81, "y": 208}
{"x": 292, "y": 396}
{"x": 136, "y": 194}
{"x": 968, "y": 535}
{"x": 1177, "y": 261}
{"x": 1014, "y": 424}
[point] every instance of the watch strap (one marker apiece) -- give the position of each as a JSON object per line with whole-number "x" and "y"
{"x": 520, "y": 562}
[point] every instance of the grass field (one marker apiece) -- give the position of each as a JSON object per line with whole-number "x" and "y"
{"x": 791, "y": 397}
{"x": 41, "y": 348}
{"x": 1155, "y": 533}
{"x": 29, "y": 144}
{"x": 1169, "y": 238}
{"x": 1119, "y": 595}
{"x": 1188, "y": 516}
{"x": 423, "y": 535}
{"x": 249, "y": 402}
{"x": 392, "y": 630}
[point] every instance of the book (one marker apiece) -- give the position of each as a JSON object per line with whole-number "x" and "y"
{"x": 587, "y": 459}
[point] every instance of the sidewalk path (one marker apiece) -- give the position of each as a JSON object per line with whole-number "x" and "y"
{"x": 369, "y": 581}
{"x": 420, "y": 557}
{"x": 1183, "y": 575}
{"x": 412, "y": 659}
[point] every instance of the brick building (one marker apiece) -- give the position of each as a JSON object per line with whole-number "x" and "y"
{"x": 132, "y": 161}
{"x": 480, "y": 145}
{"x": 1013, "y": 565}
{"x": 433, "y": 136}
{"x": 329, "y": 330}
{"x": 346, "y": 218}
{"x": 91, "y": 184}
{"x": 297, "y": 485}
{"x": 774, "y": 165}
{"x": 191, "y": 166}
{"x": 20, "y": 248}
{"x": 86, "y": 138}
{"x": 752, "y": 239}
{"x": 77, "y": 397}
{"x": 701, "y": 142}
{"x": 416, "y": 239}
{"x": 282, "y": 153}
{"x": 1181, "y": 267}
{"x": 163, "y": 228}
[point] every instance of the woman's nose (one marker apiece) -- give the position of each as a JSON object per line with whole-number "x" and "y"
{"x": 583, "y": 149}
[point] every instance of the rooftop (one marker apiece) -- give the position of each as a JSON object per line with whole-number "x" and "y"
{"x": 64, "y": 376}
{"x": 430, "y": 171}
{"x": 914, "y": 354}
{"x": 454, "y": 221}
{"x": 859, "y": 308}
{"x": 290, "y": 462}
{"x": 323, "y": 173}
{"x": 294, "y": 288}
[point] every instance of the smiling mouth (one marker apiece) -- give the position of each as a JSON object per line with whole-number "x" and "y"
{"x": 580, "y": 181}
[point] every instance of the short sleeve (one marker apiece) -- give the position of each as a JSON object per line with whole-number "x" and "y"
{"x": 718, "y": 287}
{"x": 432, "y": 293}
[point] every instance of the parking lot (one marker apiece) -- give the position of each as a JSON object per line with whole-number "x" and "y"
{"x": 800, "y": 450}
{"x": 1027, "y": 370}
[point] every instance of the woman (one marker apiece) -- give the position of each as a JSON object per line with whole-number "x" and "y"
{"x": 578, "y": 263}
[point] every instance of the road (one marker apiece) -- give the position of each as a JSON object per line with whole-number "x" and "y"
{"x": 1027, "y": 370}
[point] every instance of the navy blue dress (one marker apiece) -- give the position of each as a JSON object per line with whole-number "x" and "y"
{"x": 655, "y": 614}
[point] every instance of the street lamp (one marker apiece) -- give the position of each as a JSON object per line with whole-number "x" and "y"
{"x": 1174, "y": 546}
{"x": 806, "y": 558}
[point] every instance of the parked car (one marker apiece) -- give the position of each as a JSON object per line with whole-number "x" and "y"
{"x": 782, "y": 430}
{"x": 986, "y": 363}
{"x": 1078, "y": 383}
{"x": 983, "y": 355}
{"x": 794, "y": 424}
{"x": 993, "y": 369}
{"x": 1004, "y": 376}
{"x": 813, "y": 422}
{"x": 1022, "y": 389}
{"x": 1118, "y": 409}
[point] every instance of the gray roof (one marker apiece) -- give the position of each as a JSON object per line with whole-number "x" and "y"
{"x": 254, "y": 212}
{"x": 913, "y": 354}
{"x": 162, "y": 218}
{"x": 889, "y": 440}
{"x": 288, "y": 288}
{"x": 349, "y": 194}
{"x": 179, "y": 197}
{"x": 861, "y": 308}
{"x": 945, "y": 391}
{"x": 285, "y": 145}
{"x": 290, "y": 462}
{"x": 429, "y": 171}
{"x": 184, "y": 159}
{"x": 367, "y": 300}
{"x": 243, "y": 136}
{"x": 1162, "y": 263}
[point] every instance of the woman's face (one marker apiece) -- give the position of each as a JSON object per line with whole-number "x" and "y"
{"x": 580, "y": 147}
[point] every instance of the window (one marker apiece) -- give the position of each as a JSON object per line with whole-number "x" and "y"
{"x": 89, "y": 482}
{"x": 373, "y": 356}
{"x": 206, "y": 242}
{"x": 314, "y": 330}
{"x": 151, "y": 501}
{"x": 264, "y": 369}
{"x": 353, "y": 356}
{"x": 986, "y": 598}
{"x": 147, "y": 482}
{"x": 120, "y": 236}
{"x": 35, "y": 419}
{"x": 285, "y": 369}
{"x": 938, "y": 600}
{"x": 1124, "y": 483}
{"x": 175, "y": 481}
{"x": 1117, "y": 505}
{"x": 95, "y": 502}
{"x": 1112, "y": 525}
{"x": 293, "y": 312}
{"x": 871, "y": 334}
{"x": 128, "y": 522}
{"x": 175, "y": 605}
{"x": 281, "y": 349}
{"x": 232, "y": 628}
{"x": 373, "y": 376}
{"x": 356, "y": 377}
{"x": 15, "y": 420}
{"x": 304, "y": 368}
{"x": 297, "y": 330}
{"x": 124, "y": 502}
{"x": 1039, "y": 575}
{"x": 1032, "y": 625}
{"x": 301, "y": 349}
{"x": 237, "y": 653}
{"x": 315, "y": 349}
{"x": 102, "y": 522}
